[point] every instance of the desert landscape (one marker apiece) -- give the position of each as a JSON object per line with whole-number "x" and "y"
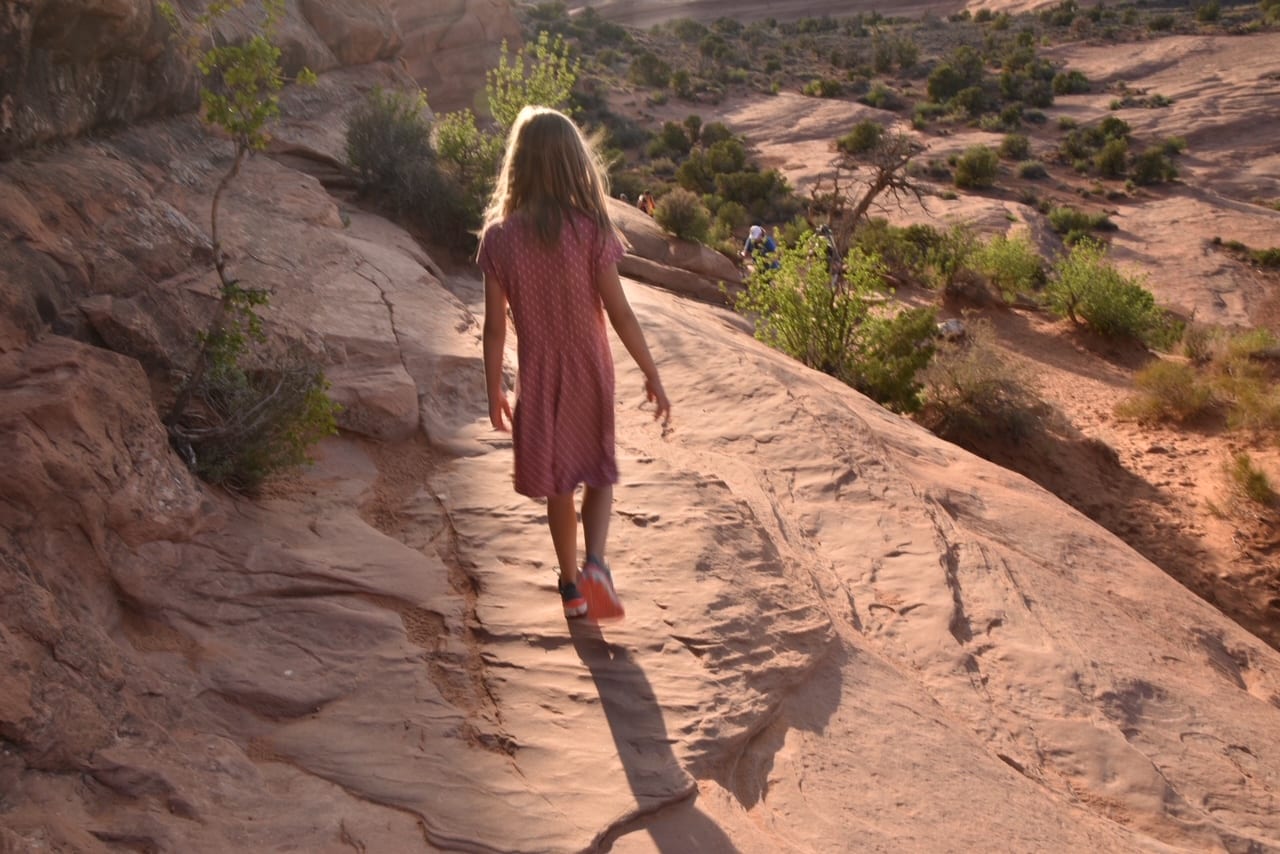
{"x": 843, "y": 633}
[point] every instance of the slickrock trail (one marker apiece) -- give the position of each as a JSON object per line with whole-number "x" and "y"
{"x": 843, "y": 634}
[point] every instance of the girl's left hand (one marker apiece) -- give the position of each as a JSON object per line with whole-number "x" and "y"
{"x": 500, "y": 408}
{"x": 654, "y": 393}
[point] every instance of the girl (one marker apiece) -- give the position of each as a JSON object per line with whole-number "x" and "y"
{"x": 550, "y": 251}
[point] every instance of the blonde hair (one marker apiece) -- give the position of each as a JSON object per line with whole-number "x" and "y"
{"x": 549, "y": 170}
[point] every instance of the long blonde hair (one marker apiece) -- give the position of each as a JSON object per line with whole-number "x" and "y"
{"x": 549, "y": 169}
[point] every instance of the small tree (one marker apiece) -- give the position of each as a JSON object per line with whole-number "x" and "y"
{"x": 541, "y": 74}
{"x": 1086, "y": 287}
{"x": 252, "y": 419}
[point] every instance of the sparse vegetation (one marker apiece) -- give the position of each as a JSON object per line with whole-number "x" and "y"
{"x": 1249, "y": 481}
{"x": 1168, "y": 391}
{"x": 972, "y": 390}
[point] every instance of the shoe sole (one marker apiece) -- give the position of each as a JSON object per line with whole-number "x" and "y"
{"x": 573, "y": 611}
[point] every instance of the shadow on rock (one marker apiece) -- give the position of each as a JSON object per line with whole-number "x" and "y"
{"x": 665, "y": 793}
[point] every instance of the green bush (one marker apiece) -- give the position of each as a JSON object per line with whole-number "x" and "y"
{"x": 1110, "y": 161}
{"x": 823, "y": 87}
{"x": 1015, "y": 146}
{"x": 682, "y": 213}
{"x": 388, "y": 136}
{"x": 1167, "y": 391}
{"x": 865, "y": 136}
{"x": 1031, "y": 170}
{"x": 842, "y": 328}
{"x": 1067, "y": 221}
{"x": 1012, "y": 264}
{"x": 1086, "y": 286}
{"x": 977, "y": 167}
{"x": 1153, "y": 166}
{"x": 1070, "y": 83}
{"x": 649, "y": 70}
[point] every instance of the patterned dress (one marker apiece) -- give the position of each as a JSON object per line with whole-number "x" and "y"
{"x": 562, "y": 429}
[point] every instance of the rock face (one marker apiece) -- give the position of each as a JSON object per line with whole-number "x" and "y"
{"x": 449, "y": 44}
{"x": 83, "y": 64}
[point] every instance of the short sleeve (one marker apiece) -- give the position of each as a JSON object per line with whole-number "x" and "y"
{"x": 485, "y": 258}
{"x": 611, "y": 249}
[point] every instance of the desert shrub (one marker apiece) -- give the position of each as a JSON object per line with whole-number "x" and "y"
{"x": 673, "y": 139}
{"x": 823, "y": 87}
{"x": 1070, "y": 83}
{"x": 648, "y": 69}
{"x": 1161, "y": 23}
{"x": 882, "y": 97}
{"x": 1267, "y": 257}
{"x": 1031, "y": 170}
{"x": 1012, "y": 264}
{"x": 1153, "y": 166}
{"x": 688, "y": 30}
{"x": 1086, "y": 286}
{"x": 977, "y": 167}
{"x": 259, "y": 421}
{"x": 1209, "y": 12}
{"x": 682, "y": 213}
{"x": 972, "y": 390}
{"x": 865, "y": 136}
{"x": 843, "y": 328}
{"x": 1110, "y": 161}
{"x": 1167, "y": 391}
{"x": 1075, "y": 225}
{"x": 1015, "y": 146}
{"x": 389, "y": 149}
{"x": 1249, "y": 481}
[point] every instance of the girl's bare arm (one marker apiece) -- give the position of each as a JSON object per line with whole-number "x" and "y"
{"x": 495, "y": 339}
{"x": 629, "y": 332}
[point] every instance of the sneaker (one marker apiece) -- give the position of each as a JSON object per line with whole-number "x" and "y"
{"x": 574, "y": 604}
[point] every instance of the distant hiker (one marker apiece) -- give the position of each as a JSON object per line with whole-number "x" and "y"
{"x": 645, "y": 202}
{"x": 549, "y": 251}
{"x": 760, "y": 247}
{"x": 622, "y": 197}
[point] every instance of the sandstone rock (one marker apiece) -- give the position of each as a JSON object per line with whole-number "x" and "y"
{"x": 449, "y": 45}
{"x": 356, "y": 31}
{"x": 678, "y": 265}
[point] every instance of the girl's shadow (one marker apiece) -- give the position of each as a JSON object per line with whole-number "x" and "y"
{"x": 665, "y": 794}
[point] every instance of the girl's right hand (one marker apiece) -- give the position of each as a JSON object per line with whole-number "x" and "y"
{"x": 498, "y": 408}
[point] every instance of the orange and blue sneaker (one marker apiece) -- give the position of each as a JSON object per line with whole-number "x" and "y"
{"x": 574, "y": 603}
{"x": 597, "y": 587}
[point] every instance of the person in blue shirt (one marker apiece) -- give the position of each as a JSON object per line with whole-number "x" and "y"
{"x": 760, "y": 246}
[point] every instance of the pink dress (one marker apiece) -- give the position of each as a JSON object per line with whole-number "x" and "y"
{"x": 562, "y": 430}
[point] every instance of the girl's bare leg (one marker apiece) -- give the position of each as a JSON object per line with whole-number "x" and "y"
{"x": 562, "y": 518}
{"x": 597, "y": 507}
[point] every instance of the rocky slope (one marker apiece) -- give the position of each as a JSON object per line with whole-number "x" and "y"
{"x": 842, "y": 632}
